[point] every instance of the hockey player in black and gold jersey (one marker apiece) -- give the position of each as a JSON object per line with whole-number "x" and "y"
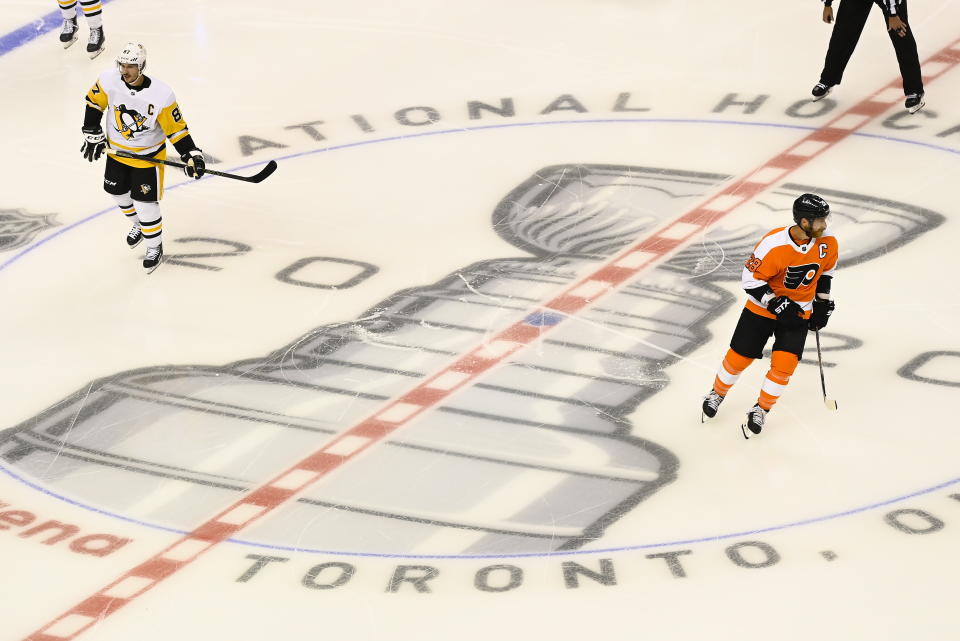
{"x": 141, "y": 115}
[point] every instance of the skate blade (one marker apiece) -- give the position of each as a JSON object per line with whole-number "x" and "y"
{"x": 96, "y": 53}
{"x": 747, "y": 432}
{"x": 67, "y": 45}
{"x": 150, "y": 270}
{"x": 914, "y": 110}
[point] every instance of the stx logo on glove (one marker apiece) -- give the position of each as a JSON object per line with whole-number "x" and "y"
{"x": 788, "y": 312}
{"x": 780, "y": 304}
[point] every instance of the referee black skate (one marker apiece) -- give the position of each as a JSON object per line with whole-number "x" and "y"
{"x": 851, "y": 17}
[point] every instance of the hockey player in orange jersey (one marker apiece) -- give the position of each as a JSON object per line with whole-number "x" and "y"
{"x": 787, "y": 280}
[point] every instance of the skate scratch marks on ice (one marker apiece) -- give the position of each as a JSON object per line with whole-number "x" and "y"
{"x": 480, "y": 294}
{"x": 66, "y": 434}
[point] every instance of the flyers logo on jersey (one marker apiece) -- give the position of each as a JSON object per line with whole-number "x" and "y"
{"x": 128, "y": 121}
{"x": 800, "y": 275}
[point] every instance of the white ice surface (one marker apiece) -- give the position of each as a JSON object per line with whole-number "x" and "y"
{"x": 76, "y": 307}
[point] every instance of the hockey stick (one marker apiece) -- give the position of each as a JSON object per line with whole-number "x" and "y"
{"x": 256, "y": 178}
{"x": 829, "y": 402}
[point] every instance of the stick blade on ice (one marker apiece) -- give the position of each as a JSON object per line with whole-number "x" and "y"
{"x": 266, "y": 171}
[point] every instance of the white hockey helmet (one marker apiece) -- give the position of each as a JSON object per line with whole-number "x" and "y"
{"x": 133, "y": 54}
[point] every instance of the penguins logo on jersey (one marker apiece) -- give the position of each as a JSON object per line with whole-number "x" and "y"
{"x": 128, "y": 121}
{"x": 799, "y": 275}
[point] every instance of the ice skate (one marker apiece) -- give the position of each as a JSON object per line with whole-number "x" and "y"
{"x": 68, "y": 33}
{"x": 820, "y": 90}
{"x": 914, "y": 102}
{"x": 95, "y": 42}
{"x": 134, "y": 236}
{"x": 711, "y": 403}
{"x": 754, "y": 422}
{"x": 153, "y": 258}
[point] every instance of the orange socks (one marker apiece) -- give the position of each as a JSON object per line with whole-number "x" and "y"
{"x": 730, "y": 369}
{"x": 782, "y": 367}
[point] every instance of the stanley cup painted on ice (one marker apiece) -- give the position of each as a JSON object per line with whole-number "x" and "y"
{"x": 537, "y": 456}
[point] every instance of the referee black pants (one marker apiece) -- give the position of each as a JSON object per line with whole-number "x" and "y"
{"x": 850, "y": 18}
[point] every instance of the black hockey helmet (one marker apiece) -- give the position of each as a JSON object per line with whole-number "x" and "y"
{"x": 810, "y": 206}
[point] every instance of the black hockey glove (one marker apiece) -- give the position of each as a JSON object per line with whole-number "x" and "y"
{"x": 821, "y": 314}
{"x": 195, "y": 164}
{"x": 788, "y": 312}
{"x": 93, "y": 142}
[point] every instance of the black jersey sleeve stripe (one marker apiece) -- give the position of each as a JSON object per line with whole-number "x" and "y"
{"x": 184, "y": 145}
{"x": 92, "y": 116}
{"x": 824, "y": 284}
{"x": 759, "y": 292}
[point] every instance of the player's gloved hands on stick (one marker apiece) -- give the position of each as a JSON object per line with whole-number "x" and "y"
{"x": 195, "y": 163}
{"x": 788, "y": 312}
{"x": 821, "y": 314}
{"x": 93, "y": 142}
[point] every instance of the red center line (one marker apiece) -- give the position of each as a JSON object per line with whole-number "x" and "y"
{"x": 539, "y": 320}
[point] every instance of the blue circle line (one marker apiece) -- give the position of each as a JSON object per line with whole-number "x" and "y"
{"x": 424, "y": 134}
{"x": 625, "y": 548}
{"x": 872, "y": 506}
